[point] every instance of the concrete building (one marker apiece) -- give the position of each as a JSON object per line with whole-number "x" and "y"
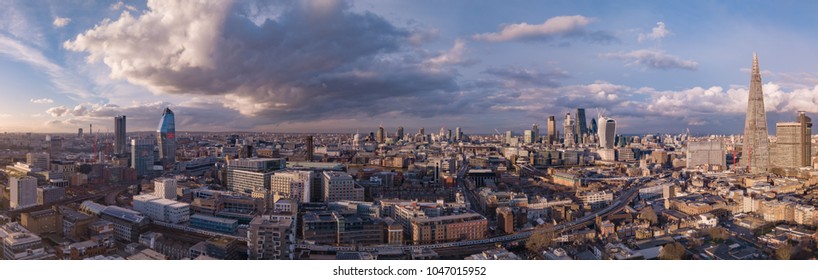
{"x": 505, "y": 220}
{"x": 569, "y": 135}
{"x": 38, "y": 160}
{"x": 22, "y": 192}
{"x": 700, "y": 153}
{"x": 165, "y": 188}
{"x": 128, "y": 224}
{"x": 340, "y": 186}
{"x": 120, "y": 135}
{"x": 49, "y": 194}
{"x": 43, "y": 221}
{"x": 755, "y": 154}
{"x": 793, "y": 147}
{"x": 295, "y": 185}
{"x": 247, "y": 175}
{"x": 162, "y": 209}
{"x": 448, "y": 228}
{"x": 21, "y": 244}
{"x": 270, "y": 239}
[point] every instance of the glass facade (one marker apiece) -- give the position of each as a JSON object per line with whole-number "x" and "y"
{"x": 166, "y": 137}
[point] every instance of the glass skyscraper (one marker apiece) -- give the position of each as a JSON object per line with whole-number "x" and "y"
{"x": 166, "y": 137}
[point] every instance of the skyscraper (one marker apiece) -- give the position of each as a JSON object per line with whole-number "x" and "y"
{"x": 399, "y": 134}
{"x": 119, "y": 135}
{"x": 593, "y": 128}
{"x": 552, "y": 130}
{"x": 607, "y": 132}
{"x": 568, "y": 126}
{"x": 756, "y": 152}
{"x": 142, "y": 155}
{"x": 792, "y": 147}
{"x": 166, "y": 137}
{"x": 310, "y": 148}
{"x": 509, "y": 135}
{"x": 535, "y": 129}
{"x": 581, "y": 126}
{"x": 381, "y": 136}
{"x": 458, "y": 134}
{"x": 806, "y": 143}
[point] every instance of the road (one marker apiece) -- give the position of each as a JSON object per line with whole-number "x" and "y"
{"x": 616, "y": 205}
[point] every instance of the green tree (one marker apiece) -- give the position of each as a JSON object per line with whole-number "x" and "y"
{"x": 672, "y": 251}
{"x": 784, "y": 252}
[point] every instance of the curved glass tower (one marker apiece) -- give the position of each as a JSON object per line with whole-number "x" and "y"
{"x": 166, "y": 137}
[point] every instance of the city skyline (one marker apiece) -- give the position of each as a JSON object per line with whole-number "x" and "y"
{"x": 403, "y": 64}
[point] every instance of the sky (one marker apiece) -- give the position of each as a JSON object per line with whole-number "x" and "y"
{"x": 342, "y": 66}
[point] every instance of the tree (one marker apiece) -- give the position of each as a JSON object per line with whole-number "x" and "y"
{"x": 541, "y": 238}
{"x": 718, "y": 234}
{"x": 649, "y": 215}
{"x": 672, "y": 251}
{"x": 784, "y": 252}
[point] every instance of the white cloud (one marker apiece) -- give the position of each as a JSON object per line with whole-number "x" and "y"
{"x": 454, "y": 56}
{"x": 653, "y": 59}
{"x": 559, "y": 26}
{"x": 61, "y": 21}
{"x": 658, "y": 32}
{"x": 42, "y": 100}
{"x": 121, "y": 5}
{"x": 63, "y": 80}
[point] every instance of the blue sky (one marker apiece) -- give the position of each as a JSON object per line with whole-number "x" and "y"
{"x": 337, "y": 66}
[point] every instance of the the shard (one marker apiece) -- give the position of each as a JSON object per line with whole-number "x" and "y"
{"x": 756, "y": 152}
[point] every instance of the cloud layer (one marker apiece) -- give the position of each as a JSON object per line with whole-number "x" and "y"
{"x": 653, "y": 59}
{"x": 316, "y": 60}
{"x": 553, "y": 28}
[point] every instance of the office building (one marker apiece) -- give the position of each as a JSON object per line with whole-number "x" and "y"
{"x": 38, "y": 161}
{"x": 458, "y": 134}
{"x": 161, "y": 209}
{"x": 448, "y": 228}
{"x": 295, "y": 185}
{"x": 569, "y": 133}
{"x": 310, "y": 147}
{"x": 593, "y": 127}
{"x": 166, "y": 137}
{"x": 701, "y": 153}
{"x": 399, "y": 134}
{"x": 607, "y": 132}
{"x": 128, "y": 224}
{"x": 142, "y": 156}
{"x": 552, "y": 130}
{"x": 340, "y": 186}
{"x": 210, "y": 223}
{"x": 505, "y": 220}
{"x": 22, "y": 192}
{"x": 581, "y": 129}
{"x": 755, "y": 154}
{"x": 248, "y": 175}
{"x": 42, "y": 221}
{"x": 120, "y": 136}
{"x": 381, "y": 136}
{"x": 528, "y": 136}
{"x": 21, "y": 244}
{"x": 165, "y": 188}
{"x": 509, "y": 136}
{"x": 792, "y": 148}
{"x": 49, "y": 194}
